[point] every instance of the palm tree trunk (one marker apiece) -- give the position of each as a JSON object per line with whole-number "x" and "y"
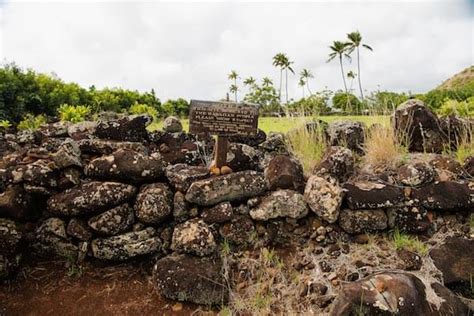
{"x": 286, "y": 85}
{"x": 281, "y": 80}
{"x": 307, "y": 86}
{"x": 342, "y": 72}
{"x": 302, "y": 89}
{"x": 235, "y": 83}
{"x": 358, "y": 70}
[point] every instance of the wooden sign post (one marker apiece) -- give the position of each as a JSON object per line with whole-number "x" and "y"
{"x": 223, "y": 119}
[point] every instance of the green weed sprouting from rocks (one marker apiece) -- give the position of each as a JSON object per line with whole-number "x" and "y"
{"x": 73, "y": 113}
{"x": 31, "y": 122}
{"x": 404, "y": 241}
{"x": 5, "y": 123}
{"x": 74, "y": 270}
{"x": 225, "y": 248}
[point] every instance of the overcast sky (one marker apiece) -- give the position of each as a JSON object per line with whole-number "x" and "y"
{"x": 187, "y": 49}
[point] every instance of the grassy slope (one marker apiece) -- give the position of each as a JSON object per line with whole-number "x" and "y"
{"x": 459, "y": 80}
{"x": 284, "y": 124}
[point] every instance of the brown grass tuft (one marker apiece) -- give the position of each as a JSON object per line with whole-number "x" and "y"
{"x": 383, "y": 149}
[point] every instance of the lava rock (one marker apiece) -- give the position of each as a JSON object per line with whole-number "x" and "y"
{"x": 193, "y": 237}
{"x": 220, "y": 213}
{"x": 68, "y": 155}
{"x": 56, "y": 129}
{"x": 154, "y": 203}
{"x": 182, "y": 210}
{"x": 51, "y": 239}
{"x": 9, "y": 265}
{"x": 90, "y": 197}
{"x": 10, "y": 237}
{"x": 114, "y": 221}
{"x": 361, "y": 221}
{"x": 231, "y": 187}
{"x": 106, "y": 147}
{"x": 191, "y": 279}
{"x": 281, "y": 203}
{"x": 419, "y": 127}
{"x": 129, "y": 128}
{"x": 446, "y": 196}
{"x": 181, "y": 176}
{"x": 395, "y": 293}
{"x": 172, "y": 124}
{"x": 447, "y": 168}
{"x": 275, "y": 142}
{"x": 252, "y": 141}
{"x": 455, "y": 260}
{"x": 349, "y": 134}
{"x": 370, "y": 195}
{"x": 415, "y": 174}
{"x": 469, "y": 166}
{"x": 78, "y": 229}
{"x": 82, "y": 130}
{"x": 126, "y": 246}
{"x": 410, "y": 260}
{"x": 282, "y": 172}
{"x": 411, "y": 219}
{"x": 42, "y": 173}
{"x": 242, "y": 157}
{"x": 126, "y": 165}
{"x": 324, "y": 197}
{"x": 239, "y": 231}
{"x": 16, "y": 203}
{"x": 337, "y": 162}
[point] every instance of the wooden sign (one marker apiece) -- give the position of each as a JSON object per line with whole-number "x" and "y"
{"x": 223, "y": 118}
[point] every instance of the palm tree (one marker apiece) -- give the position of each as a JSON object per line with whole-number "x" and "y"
{"x": 351, "y": 75}
{"x": 287, "y": 66}
{"x": 280, "y": 60}
{"x": 234, "y": 88}
{"x": 306, "y": 75}
{"x": 355, "y": 41}
{"x": 339, "y": 49}
{"x": 267, "y": 82}
{"x": 302, "y": 83}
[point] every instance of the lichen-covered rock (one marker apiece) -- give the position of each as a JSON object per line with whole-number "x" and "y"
{"x": 447, "y": 168}
{"x": 106, "y": 147}
{"x": 252, "y": 141}
{"x": 456, "y": 129}
{"x": 82, "y": 130}
{"x": 410, "y": 261}
{"x": 179, "y": 147}
{"x": 10, "y": 237}
{"x": 417, "y": 125}
{"x": 191, "y": 279}
{"x": 77, "y": 228}
{"x": 234, "y": 186}
{"x": 411, "y": 219}
{"x": 193, "y": 237}
{"x": 392, "y": 293}
{"x": 361, "y": 221}
{"x": 16, "y": 203}
{"x": 126, "y": 165}
{"x": 242, "y": 157}
{"x": 154, "y": 203}
{"x": 275, "y": 142}
{"x": 182, "y": 210}
{"x": 239, "y": 231}
{"x": 324, "y": 197}
{"x": 415, "y": 174}
{"x": 56, "y": 129}
{"x": 217, "y": 214}
{"x": 68, "y": 155}
{"x": 281, "y": 203}
{"x": 114, "y": 221}
{"x": 181, "y": 176}
{"x": 41, "y": 173}
{"x": 350, "y": 134}
{"x": 446, "y": 196}
{"x": 89, "y": 198}
{"x": 69, "y": 178}
{"x": 282, "y": 172}
{"x": 172, "y": 124}
{"x": 369, "y": 195}
{"x": 455, "y": 260}
{"x": 51, "y": 239}
{"x": 129, "y": 128}
{"x": 337, "y": 162}
{"x": 9, "y": 264}
{"x": 126, "y": 246}
{"x": 469, "y": 166}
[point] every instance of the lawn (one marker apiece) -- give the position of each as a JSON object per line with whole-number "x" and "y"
{"x": 284, "y": 124}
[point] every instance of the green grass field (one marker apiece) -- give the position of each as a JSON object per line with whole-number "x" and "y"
{"x": 284, "y": 124}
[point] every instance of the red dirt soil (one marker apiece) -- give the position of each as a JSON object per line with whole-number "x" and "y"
{"x": 46, "y": 288}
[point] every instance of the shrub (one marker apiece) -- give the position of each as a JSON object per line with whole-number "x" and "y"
{"x": 346, "y": 102}
{"x": 5, "y": 124}
{"x": 460, "y": 108}
{"x": 138, "y": 108}
{"x": 73, "y": 113}
{"x": 31, "y": 122}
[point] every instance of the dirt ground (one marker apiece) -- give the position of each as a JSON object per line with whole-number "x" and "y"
{"x": 53, "y": 288}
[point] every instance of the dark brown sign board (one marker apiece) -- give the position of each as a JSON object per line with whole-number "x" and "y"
{"x": 223, "y": 118}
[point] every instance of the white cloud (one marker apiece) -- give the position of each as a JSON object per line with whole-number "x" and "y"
{"x": 187, "y": 49}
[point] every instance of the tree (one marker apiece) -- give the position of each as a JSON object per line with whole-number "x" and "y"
{"x": 339, "y": 49}
{"x": 351, "y": 75}
{"x": 306, "y": 75}
{"x": 302, "y": 84}
{"x": 287, "y": 66}
{"x": 266, "y": 82}
{"x": 355, "y": 41}
{"x": 250, "y": 82}
{"x": 346, "y": 102}
{"x": 283, "y": 62}
{"x": 234, "y": 88}
{"x": 265, "y": 96}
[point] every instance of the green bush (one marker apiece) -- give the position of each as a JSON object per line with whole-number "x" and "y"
{"x": 459, "y": 108}
{"x": 316, "y": 104}
{"x": 73, "y": 113}
{"x": 5, "y": 124}
{"x": 31, "y": 122}
{"x": 436, "y": 98}
{"x": 138, "y": 108}
{"x": 346, "y": 102}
